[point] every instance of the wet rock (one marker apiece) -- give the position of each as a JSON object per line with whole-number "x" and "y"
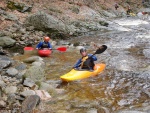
{"x": 12, "y": 72}
{"x": 4, "y": 64}
{"x": 36, "y": 73}
{"x": 10, "y": 89}
{"x": 37, "y": 63}
{"x": 6, "y": 41}
{"x": 11, "y": 98}
{"x": 43, "y": 94}
{"x": 123, "y": 102}
{"x": 47, "y": 87}
{"x": 146, "y": 53}
{"x": 30, "y": 103}
{"x": 20, "y": 74}
{"x": 33, "y": 59}
{"x": 60, "y": 91}
{"x": 28, "y": 82}
{"x": 53, "y": 43}
{"x": 21, "y": 66}
{"x": 79, "y": 47}
{"x": 27, "y": 93}
{"x": 2, "y": 104}
{"x": 63, "y": 43}
{"x": 92, "y": 111}
{"x": 132, "y": 111}
{"x": 2, "y": 83}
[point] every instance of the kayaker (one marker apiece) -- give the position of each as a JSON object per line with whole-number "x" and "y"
{"x": 87, "y": 60}
{"x": 44, "y": 44}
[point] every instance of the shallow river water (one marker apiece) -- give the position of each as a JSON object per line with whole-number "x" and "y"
{"x": 125, "y": 83}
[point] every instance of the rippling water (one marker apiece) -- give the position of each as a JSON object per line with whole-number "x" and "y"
{"x": 125, "y": 83}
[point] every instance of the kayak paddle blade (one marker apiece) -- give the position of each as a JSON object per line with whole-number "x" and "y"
{"x": 62, "y": 49}
{"x": 101, "y": 49}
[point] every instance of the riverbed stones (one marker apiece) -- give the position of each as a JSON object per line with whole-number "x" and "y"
{"x": 92, "y": 111}
{"x": 132, "y": 111}
{"x": 28, "y": 82}
{"x": 4, "y": 64}
{"x": 2, "y": 104}
{"x": 33, "y": 59}
{"x": 10, "y": 89}
{"x": 36, "y": 73}
{"x": 46, "y": 87}
{"x": 12, "y": 72}
{"x": 27, "y": 93}
{"x": 30, "y": 103}
{"x": 6, "y": 41}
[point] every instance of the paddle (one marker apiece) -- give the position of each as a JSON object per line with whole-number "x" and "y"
{"x": 62, "y": 49}
{"x": 100, "y": 50}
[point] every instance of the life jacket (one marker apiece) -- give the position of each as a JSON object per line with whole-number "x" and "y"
{"x": 44, "y": 45}
{"x": 87, "y": 63}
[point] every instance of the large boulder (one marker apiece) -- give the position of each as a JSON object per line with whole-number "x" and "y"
{"x": 35, "y": 73}
{"x": 46, "y": 22}
{"x": 6, "y": 41}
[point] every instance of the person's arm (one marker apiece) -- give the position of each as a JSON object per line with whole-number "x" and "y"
{"x": 49, "y": 45}
{"x": 94, "y": 58}
{"x": 77, "y": 64}
{"x": 39, "y": 45}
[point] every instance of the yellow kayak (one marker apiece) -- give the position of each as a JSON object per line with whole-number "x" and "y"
{"x": 82, "y": 74}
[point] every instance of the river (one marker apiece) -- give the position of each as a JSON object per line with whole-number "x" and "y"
{"x": 125, "y": 83}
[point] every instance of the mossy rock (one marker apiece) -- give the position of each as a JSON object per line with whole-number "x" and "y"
{"x": 13, "y": 6}
{"x": 103, "y": 23}
{"x": 18, "y": 6}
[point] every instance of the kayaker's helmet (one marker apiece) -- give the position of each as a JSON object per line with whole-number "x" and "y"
{"x": 46, "y": 39}
{"x": 82, "y": 50}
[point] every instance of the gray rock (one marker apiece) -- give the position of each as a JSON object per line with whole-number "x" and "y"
{"x": 21, "y": 66}
{"x": 30, "y": 103}
{"x": 28, "y": 82}
{"x": 33, "y": 59}
{"x": 10, "y": 89}
{"x": 36, "y": 64}
{"x": 2, "y": 104}
{"x": 9, "y": 16}
{"x": 43, "y": 21}
{"x": 131, "y": 111}
{"x": 146, "y": 53}
{"x": 92, "y": 111}
{"x": 27, "y": 93}
{"x": 4, "y": 64}
{"x": 79, "y": 47}
{"x": 46, "y": 87}
{"x": 12, "y": 72}
{"x": 6, "y": 41}
{"x": 2, "y": 83}
{"x": 63, "y": 43}
{"x": 11, "y": 98}
{"x": 36, "y": 73}
{"x": 20, "y": 74}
